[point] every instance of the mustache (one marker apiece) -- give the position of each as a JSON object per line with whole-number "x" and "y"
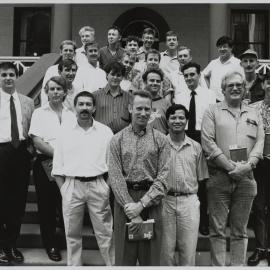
{"x": 84, "y": 111}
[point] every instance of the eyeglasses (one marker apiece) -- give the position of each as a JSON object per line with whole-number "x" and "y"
{"x": 232, "y": 85}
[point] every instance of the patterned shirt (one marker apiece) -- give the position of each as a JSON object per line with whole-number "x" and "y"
{"x": 136, "y": 157}
{"x": 112, "y": 111}
{"x": 187, "y": 167}
{"x": 264, "y": 110}
{"x": 106, "y": 57}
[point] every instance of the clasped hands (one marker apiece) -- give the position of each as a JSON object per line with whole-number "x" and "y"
{"x": 241, "y": 169}
{"x": 132, "y": 211}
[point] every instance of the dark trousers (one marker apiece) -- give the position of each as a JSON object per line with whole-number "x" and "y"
{"x": 204, "y": 220}
{"x": 147, "y": 252}
{"x": 49, "y": 202}
{"x": 14, "y": 180}
{"x": 261, "y": 205}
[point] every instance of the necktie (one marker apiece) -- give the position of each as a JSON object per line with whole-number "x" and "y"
{"x": 15, "y": 141}
{"x": 192, "y": 112}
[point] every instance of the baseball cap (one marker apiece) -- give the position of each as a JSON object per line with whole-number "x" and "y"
{"x": 248, "y": 52}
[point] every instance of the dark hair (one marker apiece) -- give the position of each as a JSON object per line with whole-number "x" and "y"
{"x": 84, "y": 94}
{"x": 191, "y": 64}
{"x": 9, "y": 65}
{"x": 153, "y": 51}
{"x": 141, "y": 93}
{"x": 115, "y": 67}
{"x": 175, "y": 107}
{"x": 171, "y": 33}
{"x": 68, "y": 42}
{"x": 68, "y": 63}
{"x": 59, "y": 80}
{"x": 224, "y": 40}
{"x": 149, "y": 31}
{"x": 132, "y": 38}
{"x": 88, "y": 44}
{"x": 153, "y": 70}
{"x": 114, "y": 27}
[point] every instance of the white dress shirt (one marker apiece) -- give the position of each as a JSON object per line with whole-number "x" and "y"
{"x": 45, "y": 123}
{"x": 89, "y": 78}
{"x": 168, "y": 64}
{"x": 81, "y": 153}
{"x": 216, "y": 70}
{"x": 203, "y": 99}
{"x": 5, "y": 119}
{"x": 80, "y": 57}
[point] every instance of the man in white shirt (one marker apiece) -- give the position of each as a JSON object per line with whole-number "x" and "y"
{"x": 67, "y": 51}
{"x": 79, "y": 167}
{"x": 87, "y": 34}
{"x": 90, "y": 77}
{"x": 218, "y": 67}
{"x": 169, "y": 61}
{"x": 197, "y": 99}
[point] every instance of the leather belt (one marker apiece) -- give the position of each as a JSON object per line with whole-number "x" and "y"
{"x": 176, "y": 194}
{"x": 87, "y": 179}
{"x": 143, "y": 185}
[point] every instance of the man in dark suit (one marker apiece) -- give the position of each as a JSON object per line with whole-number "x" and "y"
{"x": 15, "y": 115}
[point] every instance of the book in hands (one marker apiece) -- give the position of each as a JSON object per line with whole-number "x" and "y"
{"x": 238, "y": 154}
{"x": 146, "y": 231}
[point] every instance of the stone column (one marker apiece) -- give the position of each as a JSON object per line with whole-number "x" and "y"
{"x": 218, "y": 26}
{"x": 61, "y": 25}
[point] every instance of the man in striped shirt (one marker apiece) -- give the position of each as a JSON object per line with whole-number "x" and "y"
{"x": 181, "y": 206}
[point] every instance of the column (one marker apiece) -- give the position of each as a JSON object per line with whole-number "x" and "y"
{"x": 61, "y": 25}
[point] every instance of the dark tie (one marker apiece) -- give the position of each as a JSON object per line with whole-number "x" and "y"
{"x": 15, "y": 140}
{"x": 192, "y": 112}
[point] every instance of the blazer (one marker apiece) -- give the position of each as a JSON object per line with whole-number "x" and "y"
{"x": 27, "y": 108}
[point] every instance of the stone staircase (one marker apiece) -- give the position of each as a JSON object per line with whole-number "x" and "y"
{"x": 31, "y": 245}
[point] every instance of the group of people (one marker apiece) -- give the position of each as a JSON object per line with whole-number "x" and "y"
{"x": 137, "y": 136}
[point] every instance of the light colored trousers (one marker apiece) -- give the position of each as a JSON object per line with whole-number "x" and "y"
{"x": 181, "y": 218}
{"x": 95, "y": 194}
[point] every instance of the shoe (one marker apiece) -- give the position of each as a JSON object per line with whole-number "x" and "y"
{"x": 256, "y": 257}
{"x": 204, "y": 230}
{"x": 54, "y": 254}
{"x": 4, "y": 259}
{"x": 14, "y": 255}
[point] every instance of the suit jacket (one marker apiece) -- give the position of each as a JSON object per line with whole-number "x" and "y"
{"x": 27, "y": 108}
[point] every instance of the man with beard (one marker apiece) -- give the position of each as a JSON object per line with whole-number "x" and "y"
{"x": 90, "y": 77}
{"x": 138, "y": 170}
{"x": 79, "y": 168}
{"x": 113, "y": 51}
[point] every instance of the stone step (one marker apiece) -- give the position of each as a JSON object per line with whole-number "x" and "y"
{"x": 31, "y": 196}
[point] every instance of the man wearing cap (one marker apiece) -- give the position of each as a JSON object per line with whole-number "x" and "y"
{"x": 253, "y": 83}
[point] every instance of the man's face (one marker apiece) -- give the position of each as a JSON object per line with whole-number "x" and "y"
{"x": 68, "y": 52}
{"x": 55, "y": 93}
{"x": 184, "y": 57}
{"x": 177, "y": 121}
{"x": 132, "y": 46}
{"x": 171, "y": 42}
{"x": 234, "y": 90}
{"x": 140, "y": 111}
{"x": 92, "y": 53}
{"x": 69, "y": 73}
{"x": 249, "y": 63}
{"x": 148, "y": 40}
{"x": 153, "y": 83}
{"x": 128, "y": 63}
{"x": 7, "y": 80}
{"x": 114, "y": 79}
{"x": 113, "y": 36}
{"x": 84, "y": 108}
{"x": 87, "y": 36}
{"x": 191, "y": 78}
{"x": 224, "y": 50}
{"x": 152, "y": 60}
{"x": 266, "y": 88}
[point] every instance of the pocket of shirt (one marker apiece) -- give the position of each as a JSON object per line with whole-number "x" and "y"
{"x": 252, "y": 130}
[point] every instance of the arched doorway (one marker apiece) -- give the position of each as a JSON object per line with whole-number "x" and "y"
{"x": 135, "y": 20}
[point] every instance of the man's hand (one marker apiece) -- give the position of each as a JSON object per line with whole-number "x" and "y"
{"x": 132, "y": 210}
{"x": 240, "y": 171}
{"x": 136, "y": 224}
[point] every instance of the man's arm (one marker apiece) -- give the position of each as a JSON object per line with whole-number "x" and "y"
{"x": 42, "y": 146}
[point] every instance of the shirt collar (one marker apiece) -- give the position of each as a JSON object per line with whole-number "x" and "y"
{"x": 47, "y": 106}
{"x": 6, "y": 96}
{"x": 228, "y": 61}
{"x": 76, "y": 125}
{"x": 107, "y": 90}
{"x": 224, "y": 106}
{"x": 187, "y": 141}
{"x": 165, "y": 53}
{"x": 142, "y": 132}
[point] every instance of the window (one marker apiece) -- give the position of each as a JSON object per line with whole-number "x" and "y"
{"x": 249, "y": 30}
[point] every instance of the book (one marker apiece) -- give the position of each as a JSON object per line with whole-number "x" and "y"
{"x": 238, "y": 154}
{"x": 145, "y": 233}
{"x": 47, "y": 166}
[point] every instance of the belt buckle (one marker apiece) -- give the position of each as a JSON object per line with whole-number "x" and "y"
{"x": 175, "y": 194}
{"x": 136, "y": 186}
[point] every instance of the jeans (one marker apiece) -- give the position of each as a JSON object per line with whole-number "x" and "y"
{"x": 181, "y": 217}
{"x": 261, "y": 201}
{"x": 229, "y": 198}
